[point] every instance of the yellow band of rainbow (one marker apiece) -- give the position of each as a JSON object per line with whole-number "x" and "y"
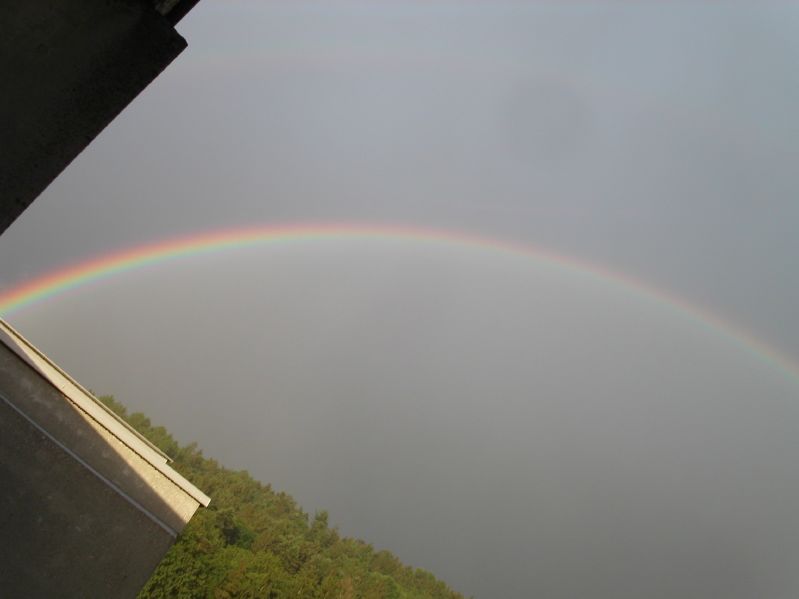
{"x": 62, "y": 280}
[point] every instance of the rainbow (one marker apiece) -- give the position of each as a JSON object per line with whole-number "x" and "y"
{"x": 61, "y": 281}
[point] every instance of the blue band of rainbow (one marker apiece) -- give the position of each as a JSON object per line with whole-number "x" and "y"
{"x": 62, "y": 280}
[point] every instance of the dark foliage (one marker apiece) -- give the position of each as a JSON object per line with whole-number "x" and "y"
{"x": 255, "y": 542}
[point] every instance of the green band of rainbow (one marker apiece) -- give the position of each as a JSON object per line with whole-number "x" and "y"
{"x": 61, "y": 281}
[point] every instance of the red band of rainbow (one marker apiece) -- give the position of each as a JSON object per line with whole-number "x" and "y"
{"x": 60, "y": 281}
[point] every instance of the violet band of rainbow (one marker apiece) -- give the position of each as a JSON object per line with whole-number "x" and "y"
{"x": 62, "y": 280}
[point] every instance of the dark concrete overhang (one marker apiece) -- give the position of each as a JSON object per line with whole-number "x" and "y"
{"x": 174, "y": 10}
{"x": 67, "y": 68}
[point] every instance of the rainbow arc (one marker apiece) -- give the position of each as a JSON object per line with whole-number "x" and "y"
{"x": 63, "y": 280}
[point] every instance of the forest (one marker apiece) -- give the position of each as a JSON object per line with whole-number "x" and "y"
{"x": 255, "y": 542}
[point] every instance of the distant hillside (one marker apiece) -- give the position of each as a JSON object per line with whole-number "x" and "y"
{"x": 253, "y": 542}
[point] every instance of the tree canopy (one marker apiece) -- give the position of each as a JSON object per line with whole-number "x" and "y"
{"x": 254, "y": 542}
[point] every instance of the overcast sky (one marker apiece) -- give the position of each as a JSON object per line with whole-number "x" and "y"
{"x": 518, "y": 429}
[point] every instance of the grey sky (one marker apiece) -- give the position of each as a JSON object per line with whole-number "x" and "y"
{"x": 516, "y": 429}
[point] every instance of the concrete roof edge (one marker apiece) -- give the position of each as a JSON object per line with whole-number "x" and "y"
{"x": 95, "y": 409}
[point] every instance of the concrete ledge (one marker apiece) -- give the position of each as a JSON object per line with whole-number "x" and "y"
{"x": 87, "y": 507}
